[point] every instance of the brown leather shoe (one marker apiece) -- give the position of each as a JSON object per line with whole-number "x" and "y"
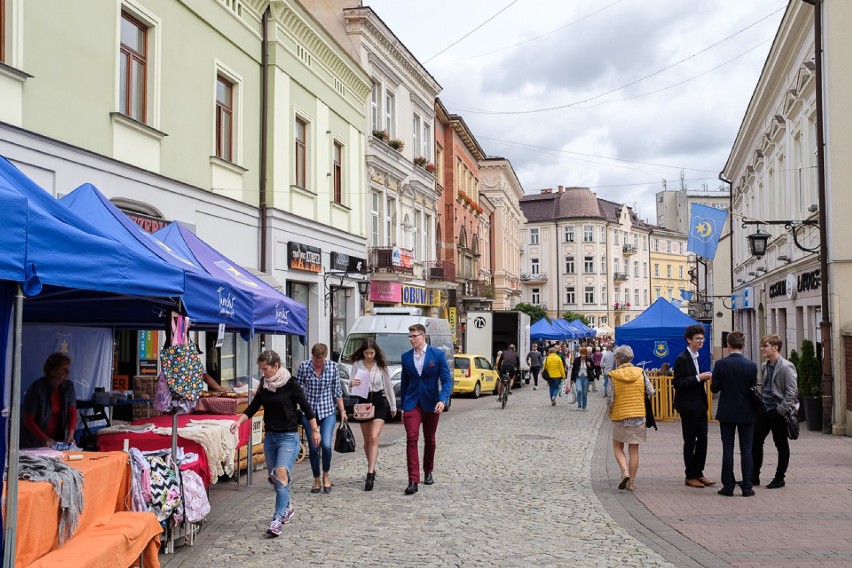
{"x": 706, "y": 481}
{"x": 694, "y": 483}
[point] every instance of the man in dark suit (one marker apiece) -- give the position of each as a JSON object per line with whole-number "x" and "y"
{"x": 691, "y": 403}
{"x": 425, "y": 388}
{"x": 733, "y": 378}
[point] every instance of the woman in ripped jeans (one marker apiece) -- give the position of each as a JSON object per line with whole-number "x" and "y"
{"x": 281, "y": 400}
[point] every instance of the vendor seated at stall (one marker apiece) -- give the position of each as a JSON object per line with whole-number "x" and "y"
{"x": 50, "y": 406}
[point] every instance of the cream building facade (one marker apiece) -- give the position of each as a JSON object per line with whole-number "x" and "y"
{"x": 669, "y": 266}
{"x": 773, "y": 172}
{"x": 171, "y": 129}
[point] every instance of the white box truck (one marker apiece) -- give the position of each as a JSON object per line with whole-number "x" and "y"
{"x": 494, "y": 330}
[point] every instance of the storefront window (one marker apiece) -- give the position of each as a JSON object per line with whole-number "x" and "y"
{"x": 339, "y": 325}
{"x": 296, "y": 352}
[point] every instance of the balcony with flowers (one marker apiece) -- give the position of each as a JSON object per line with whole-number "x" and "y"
{"x": 468, "y": 201}
{"x": 620, "y": 306}
{"x": 423, "y": 162}
{"x": 620, "y": 276}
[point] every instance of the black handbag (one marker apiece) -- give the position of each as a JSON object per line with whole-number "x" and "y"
{"x": 757, "y": 403}
{"x": 792, "y": 420}
{"x": 650, "y": 421}
{"x": 545, "y": 375}
{"x": 344, "y": 439}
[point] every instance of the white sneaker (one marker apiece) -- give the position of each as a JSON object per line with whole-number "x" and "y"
{"x": 553, "y": 401}
{"x": 274, "y": 527}
{"x": 535, "y": 388}
{"x": 288, "y": 514}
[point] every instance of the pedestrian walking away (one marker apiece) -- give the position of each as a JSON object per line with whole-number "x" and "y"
{"x": 369, "y": 365}
{"x": 781, "y": 395}
{"x": 690, "y": 401}
{"x": 426, "y": 384}
{"x": 534, "y": 359}
{"x": 281, "y": 399}
{"x": 320, "y": 379}
{"x": 626, "y": 404}
{"x": 733, "y": 378}
{"x": 581, "y": 373}
{"x": 607, "y": 365}
{"x": 597, "y": 358}
{"x": 554, "y": 372}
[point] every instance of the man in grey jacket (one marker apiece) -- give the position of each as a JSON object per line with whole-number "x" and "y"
{"x": 607, "y": 365}
{"x": 780, "y": 394}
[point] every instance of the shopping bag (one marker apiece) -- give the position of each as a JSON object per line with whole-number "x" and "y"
{"x": 344, "y": 439}
{"x": 571, "y": 394}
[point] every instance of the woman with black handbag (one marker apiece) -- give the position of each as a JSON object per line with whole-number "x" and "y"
{"x": 281, "y": 400}
{"x": 369, "y": 365}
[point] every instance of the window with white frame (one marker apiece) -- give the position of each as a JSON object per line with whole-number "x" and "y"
{"x": 534, "y": 266}
{"x": 644, "y": 270}
{"x": 635, "y": 268}
{"x": 535, "y": 296}
{"x": 636, "y": 298}
{"x": 657, "y": 291}
{"x": 569, "y": 264}
{"x": 680, "y": 272}
{"x": 589, "y": 295}
{"x": 569, "y": 233}
{"x": 337, "y": 172}
{"x": 603, "y": 264}
{"x": 655, "y": 245}
{"x": 416, "y": 139}
{"x": 615, "y": 236}
{"x": 533, "y": 236}
{"x": 416, "y": 234}
{"x": 375, "y": 106}
{"x": 301, "y": 152}
{"x": 645, "y": 297}
{"x": 133, "y": 67}
{"x": 589, "y": 265}
{"x": 656, "y": 270}
{"x": 428, "y": 143}
{"x": 588, "y": 234}
{"x": 591, "y": 320}
{"x": 390, "y": 113}
{"x": 615, "y": 265}
{"x": 603, "y": 294}
{"x": 668, "y": 271}
{"x": 671, "y": 293}
{"x": 224, "y": 118}
{"x": 427, "y": 226}
{"x": 390, "y": 223}
{"x": 668, "y": 246}
{"x": 570, "y": 295}
{"x": 375, "y": 218}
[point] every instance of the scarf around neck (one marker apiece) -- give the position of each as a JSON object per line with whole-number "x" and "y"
{"x": 277, "y": 380}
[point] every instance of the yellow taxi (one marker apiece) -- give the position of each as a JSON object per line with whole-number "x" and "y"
{"x": 473, "y": 374}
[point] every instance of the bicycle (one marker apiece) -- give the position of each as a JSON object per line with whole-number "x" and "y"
{"x": 505, "y": 377}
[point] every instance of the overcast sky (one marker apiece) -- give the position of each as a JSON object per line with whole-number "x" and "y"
{"x": 648, "y": 88}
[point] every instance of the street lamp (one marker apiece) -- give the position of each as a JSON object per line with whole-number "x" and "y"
{"x": 757, "y": 241}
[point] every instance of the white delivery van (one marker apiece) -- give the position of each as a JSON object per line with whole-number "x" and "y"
{"x": 389, "y": 327}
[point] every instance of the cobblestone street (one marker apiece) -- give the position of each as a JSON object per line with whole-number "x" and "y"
{"x": 525, "y": 469}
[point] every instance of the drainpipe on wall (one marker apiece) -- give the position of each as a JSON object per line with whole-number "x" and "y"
{"x": 731, "y": 240}
{"x": 264, "y": 135}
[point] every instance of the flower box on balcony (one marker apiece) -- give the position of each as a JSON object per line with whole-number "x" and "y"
{"x": 420, "y": 161}
{"x": 396, "y": 144}
{"x": 381, "y": 135}
{"x": 431, "y": 168}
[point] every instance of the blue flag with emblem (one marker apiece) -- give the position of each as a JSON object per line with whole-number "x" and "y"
{"x": 705, "y": 228}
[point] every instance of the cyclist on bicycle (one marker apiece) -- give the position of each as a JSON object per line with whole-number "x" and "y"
{"x": 510, "y": 362}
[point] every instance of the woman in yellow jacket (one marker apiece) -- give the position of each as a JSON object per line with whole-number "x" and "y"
{"x": 554, "y": 371}
{"x": 627, "y": 412}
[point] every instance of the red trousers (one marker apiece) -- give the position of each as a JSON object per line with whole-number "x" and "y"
{"x": 412, "y": 419}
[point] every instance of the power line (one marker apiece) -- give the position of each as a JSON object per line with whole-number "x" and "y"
{"x": 630, "y": 84}
{"x": 471, "y": 31}
{"x": 569, "y": 24}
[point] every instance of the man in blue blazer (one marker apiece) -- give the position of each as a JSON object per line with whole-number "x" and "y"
{"x": 733, "y": 378}
{"x": 425, "y": 388}
{"x": 690, "y": 401}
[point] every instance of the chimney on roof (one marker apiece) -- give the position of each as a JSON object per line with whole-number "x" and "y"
{"x": 561, "y": 189}
{"x": 547, "y": 190}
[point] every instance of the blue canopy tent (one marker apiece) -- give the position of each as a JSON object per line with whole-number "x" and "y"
{"x": 274, "y": 311}
{"x": 542, "y": 329}
{"x": 567, "y": 331}
{"x": 47, "y": 249}
{"x": 656, "y": 336}
{"x": 582, "y": 329}
{"x": 208, "y": 300}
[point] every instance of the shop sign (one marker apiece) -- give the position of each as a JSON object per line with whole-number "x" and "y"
{"x": 402, "y": 257}
{"x": 419, "y": 296}
{"x": 783, "y": 288}
{"x": 149, "y": 348}
{"x": 390, "y": 292}
{"x": 452, "y": 319}
{"x": 346, "y": 263}
{"x": 148, "y": 223}
{"x": 304, "y": 257}
{"x": 743, "y": 299}
{"x": 808, "y": 281}
{"x": 256, "y": 430}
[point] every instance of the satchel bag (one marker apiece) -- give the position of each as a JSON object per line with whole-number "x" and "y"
{"x": 792, "y": 420}
{"x": 545, "y": 375}
{"x": 344, "y": 440}
{"x": 650, "y": 421}
{"x": 364, "y": 410}
{"x": 757, "y": 403}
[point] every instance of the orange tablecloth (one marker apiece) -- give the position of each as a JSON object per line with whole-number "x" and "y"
{"x": 106, "y": 490}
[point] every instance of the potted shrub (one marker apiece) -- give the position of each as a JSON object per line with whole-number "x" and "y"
{"x": 420, "y": 161}
{"x": 810, "y": 387}
{"x": 430, "y": 167}
{"x": 396, "y": 144}
{"x": 381, "y": 135}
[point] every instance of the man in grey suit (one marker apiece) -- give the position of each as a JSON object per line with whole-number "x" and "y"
{"x": 733, "y": 378}
{"x": 780, "y": 393}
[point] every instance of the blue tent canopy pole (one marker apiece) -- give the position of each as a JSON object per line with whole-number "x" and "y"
{"x": 14, "y": 435}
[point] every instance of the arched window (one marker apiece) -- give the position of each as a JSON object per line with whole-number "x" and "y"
{"x": 463, "y": 237}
